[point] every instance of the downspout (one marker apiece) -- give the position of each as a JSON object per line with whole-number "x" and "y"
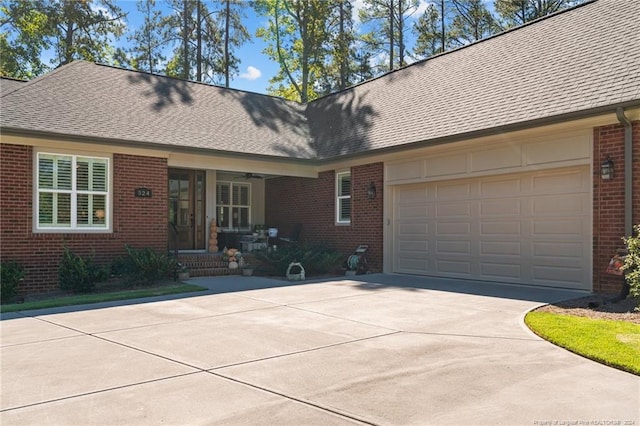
{"x": 628, "y": 172}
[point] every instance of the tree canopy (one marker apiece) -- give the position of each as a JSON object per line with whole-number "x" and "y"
{"x": 319, "y": 46}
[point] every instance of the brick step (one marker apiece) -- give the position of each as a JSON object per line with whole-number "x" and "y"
{"x": 209, "y": 264}
{"x": 213, "y": 272}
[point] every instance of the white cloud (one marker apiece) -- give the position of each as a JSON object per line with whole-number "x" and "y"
{"x": 422, "y": 6}
{"x": 252, "y": 73}
{"x": 355, "y": 14}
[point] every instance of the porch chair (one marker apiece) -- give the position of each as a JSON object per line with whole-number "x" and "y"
{"x": 294, "y": 236}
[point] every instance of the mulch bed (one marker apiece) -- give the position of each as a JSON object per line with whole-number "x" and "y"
{"x": 597, "y": 307}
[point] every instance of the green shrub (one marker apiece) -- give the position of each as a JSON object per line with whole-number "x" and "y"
{"x": 122, "y": 266}
{"x": 632, "y": 265}
{"x": 10, "y": 275}
{"x": 316, "y": 260}
{"x": 79, "y": 274}
{"x": 150, "y": 266}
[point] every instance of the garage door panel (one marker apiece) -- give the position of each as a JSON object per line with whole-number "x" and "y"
{"x": 558, "y": 276}
{"x": 500, "y": 208}
{"x": 453, "y": 247}
{"x": 445, "y": 210}
{"x": 417, "y": 246}
{"x": 501, "y": 270}
{"x": 563, "y": 182}
{"x": 453, "y": 191}
{"x": 529, "y": 228}
{"x": 568, "y": 204}
{"x": 455, "y": 267}
{"x": 412, "y": 195}
{"x": 408, "y": 212}
{"x": 559, "y": 228}
{"x": 500, "y": 188}
{"x": 513, "y": 228}
{"x": 453, "y": 228}
{"x": 507, "y": 248}
{"x": 413, "y": 230}
{"x": 558, "y": 249}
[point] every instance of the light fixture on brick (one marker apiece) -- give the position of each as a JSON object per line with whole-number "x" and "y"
{"x": 371, "y": 191}
{"x": 606, "y": 169}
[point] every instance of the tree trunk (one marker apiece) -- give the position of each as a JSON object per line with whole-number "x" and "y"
{"x": 199, "y": 43}
{"x": 185, "y": 40}
{"x": 442, "y": 29}
{"x": 344, "y": 51}
{"x": 391, "y": 33}
{"x": 226, "y": 43}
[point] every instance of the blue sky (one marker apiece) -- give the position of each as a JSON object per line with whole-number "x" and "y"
{"x": 255, "y": 67}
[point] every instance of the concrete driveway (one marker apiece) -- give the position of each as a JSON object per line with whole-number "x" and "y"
{"x": 378, "y": 349}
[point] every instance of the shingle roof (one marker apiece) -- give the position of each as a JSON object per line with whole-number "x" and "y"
{"x": 9, "y": 84}
{"x": 574, "y": 62}
{"x": 94, "y": 101}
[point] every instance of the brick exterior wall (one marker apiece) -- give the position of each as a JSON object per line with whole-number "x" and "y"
{"x": 608, "y": 201}
{"x": 139, "y": 222}
{"x": 312, "y": 202}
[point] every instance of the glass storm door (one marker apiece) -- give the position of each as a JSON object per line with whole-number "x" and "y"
{"x": 186, "y": 208}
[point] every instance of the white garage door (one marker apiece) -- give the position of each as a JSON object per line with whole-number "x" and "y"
{"x": 529, "y": 228}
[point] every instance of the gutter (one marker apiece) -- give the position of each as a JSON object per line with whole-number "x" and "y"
{"x": 628, "y": 172}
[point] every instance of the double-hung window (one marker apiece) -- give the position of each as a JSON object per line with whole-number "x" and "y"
{"x": 343, "y": 197}
{"x": 72, "y": 192}
{"x": 233, "y": 206}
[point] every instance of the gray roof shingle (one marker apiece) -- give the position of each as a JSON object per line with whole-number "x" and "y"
{"x": 574, "y": 62}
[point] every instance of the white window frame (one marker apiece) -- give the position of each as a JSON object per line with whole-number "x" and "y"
{"x": 231, "y": 205}
{"x": 340, "y": 197}
{"x": 74, "y": 226}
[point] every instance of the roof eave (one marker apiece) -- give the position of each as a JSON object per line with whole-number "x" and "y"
{"x": 9, "y": 131}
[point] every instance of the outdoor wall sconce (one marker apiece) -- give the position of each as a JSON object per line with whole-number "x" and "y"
{"x": 371, "y": 191}
{"x": 606, "y": 169}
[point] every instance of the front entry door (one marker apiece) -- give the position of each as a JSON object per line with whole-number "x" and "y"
{"x": 186, "y": 208}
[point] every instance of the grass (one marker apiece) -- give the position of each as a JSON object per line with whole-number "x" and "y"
{"x": 614, "y": 343}
{"x": 81, "y": 299}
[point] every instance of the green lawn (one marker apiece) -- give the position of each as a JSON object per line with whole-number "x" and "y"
{"x": 82, "y": 299}
{"x": 614, "y": 343}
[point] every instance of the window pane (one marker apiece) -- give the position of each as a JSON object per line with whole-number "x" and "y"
{"x": 63, "y": 209}
{"x": 64, "y": 173}
{"x": 241, "y": 195}
{"x": 83, "y": 209}
{"x": 222, "y": 192}
{"x": 223, "y": 217}
{"x": 82, "y": 175}
{"x": 184, "y": 218}
{"x": 45, "y": 173}
{"x": 344, "y": 213}
{"x": 99, "y": 176}
{"x": 240, "y": 217}
{"x": 99, "y": 209}
{"x": 45, "y": 209}
{"x": 344, "y": 185}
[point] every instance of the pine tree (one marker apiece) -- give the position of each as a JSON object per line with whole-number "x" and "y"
{"x": 148, "y": 39}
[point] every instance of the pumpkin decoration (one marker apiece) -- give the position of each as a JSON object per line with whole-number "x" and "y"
{"x": 233, "y": 256}
{"x": 213, "y": 237}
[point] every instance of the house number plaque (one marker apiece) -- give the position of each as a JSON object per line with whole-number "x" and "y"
{"x": 143, "y": 192}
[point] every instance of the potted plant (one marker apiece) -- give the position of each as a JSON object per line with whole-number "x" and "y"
{"x": 183, "y": 272}
{"x": 247, "y": 270}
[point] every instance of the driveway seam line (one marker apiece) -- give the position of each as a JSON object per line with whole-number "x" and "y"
{"x": 299, "y": 400}
{"x": 302, "y": 351}
{"x": 342, "y": 318}
{"x": 49, "y": 401}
